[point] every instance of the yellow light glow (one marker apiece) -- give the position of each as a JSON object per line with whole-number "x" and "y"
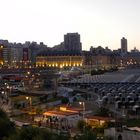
{"x": 61, "y": 66}
{"x": 80, "y": 103}
{"x": 63, "y": 108}
{"x": 28, "y": 72}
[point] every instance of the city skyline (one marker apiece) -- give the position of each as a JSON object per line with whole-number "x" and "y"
{"x": 98, "y": 22}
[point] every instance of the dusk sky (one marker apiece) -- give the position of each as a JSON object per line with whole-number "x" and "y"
{"x": 99, "y": 22}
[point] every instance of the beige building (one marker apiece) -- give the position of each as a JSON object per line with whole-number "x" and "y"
{"x": 65, "y": 118}
{"x": 98, "y": 121}
{"x": 59, "y": 61}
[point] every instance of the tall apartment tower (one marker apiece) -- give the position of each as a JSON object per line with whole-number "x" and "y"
{"x": 124, "y": 45}
{"x": 72, "y": 42}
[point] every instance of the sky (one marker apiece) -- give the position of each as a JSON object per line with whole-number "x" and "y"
{"x": 99, "y": 22}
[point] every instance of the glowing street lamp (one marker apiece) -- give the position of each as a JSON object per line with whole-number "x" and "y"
{"x": 30, "y": 101}
{"x": 83, "y": 105}
{"x": 28, "y": 73}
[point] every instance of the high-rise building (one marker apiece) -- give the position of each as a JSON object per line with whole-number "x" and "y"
{"x": 1, "y": 55}
{"x": 72, "y": 42}
{"x": 16, "y": 55}
{"x": 124, "y": 45}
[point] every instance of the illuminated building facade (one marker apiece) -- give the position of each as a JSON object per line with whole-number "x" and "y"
{"x": 130, "y": 59}
{"x": 1, "y": 55}
{"x": 5, "y": 55}
{"x": 59, "y": 59}
{"x": 92, "y": 60}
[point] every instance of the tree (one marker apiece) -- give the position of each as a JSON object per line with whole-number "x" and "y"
{"x": 104, "y": 112}
{"x": 64, "y": 100}
{"x": 39, "y": 110}
{"x": 6, "y": 127}
{"x": 8, "y": 131}
{"x": 87, "y": 135}
{"x": 54, "y": 94}
{"x": 81, "y": 125}
{"x": 108, "y": 138}
{"x": 32, "y": 133}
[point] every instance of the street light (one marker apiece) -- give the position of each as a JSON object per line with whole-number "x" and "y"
{"x": 28, "y": 72}
{"x": 30, "y": 101}
{"x": 83, "y": 104}
{"x": 7, "y": 93}
{"x": 31, "y": 112}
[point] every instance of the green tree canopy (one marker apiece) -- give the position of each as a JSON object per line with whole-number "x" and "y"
{"x": 6, "y": 127}
{"x": 104, "y": 112}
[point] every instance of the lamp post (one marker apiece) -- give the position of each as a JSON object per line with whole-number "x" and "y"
{"x": 10, "y": 90}
{"x": 30, "y": 101}
{"x": 7, "y": 92}
{"x": 31, "y": 112}
{"x": 83, "y": 105}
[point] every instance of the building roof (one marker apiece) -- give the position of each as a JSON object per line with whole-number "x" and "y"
{"x": 70, "y": 109}
{"x": 99, "y": 118}
{"x": 62, "y": 113}
{"x": 59, "y": 53}
{"x": 134, "y": 129}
